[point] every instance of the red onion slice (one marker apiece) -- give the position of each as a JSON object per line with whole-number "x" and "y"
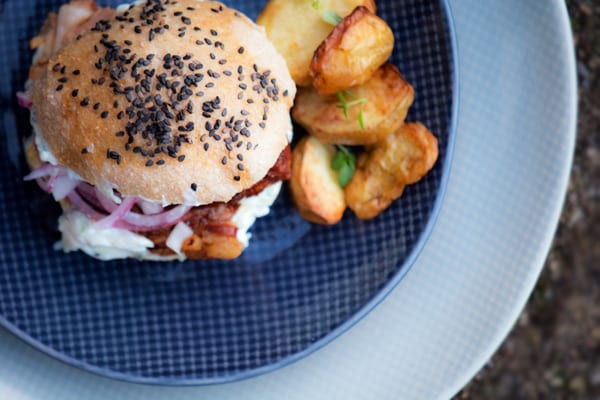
{"x": 83, "y": 207}
{"x": 24, "y": 100}
{"x": 156, "y": 221}
{"x": 117, "y": 215}
{"x": 44, "y": 171}
{"x": 61, "y": 187}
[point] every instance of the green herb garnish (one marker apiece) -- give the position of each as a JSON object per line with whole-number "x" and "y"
{"x": 331, "y": 17}
{"x": 344, "y": 162}
{"x": 347, "y": 103}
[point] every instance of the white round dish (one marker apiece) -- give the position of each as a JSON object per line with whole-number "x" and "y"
{"x": 513, "y": 153}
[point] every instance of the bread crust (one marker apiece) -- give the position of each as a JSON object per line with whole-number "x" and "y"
{"x": 243, "y": 96}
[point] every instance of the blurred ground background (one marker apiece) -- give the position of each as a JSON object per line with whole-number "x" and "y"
{"x": 554, "y": 350}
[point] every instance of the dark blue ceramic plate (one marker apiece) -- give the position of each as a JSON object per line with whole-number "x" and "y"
{"x": 295, "y": 289}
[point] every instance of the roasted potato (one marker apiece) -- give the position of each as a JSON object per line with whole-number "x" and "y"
{"x": 297, "y": 29}
{"x": 352, "y": 52}
{"x": 385, "y": 168}
{"x": 314, "y": 184}
{"x": 387, "y": 97}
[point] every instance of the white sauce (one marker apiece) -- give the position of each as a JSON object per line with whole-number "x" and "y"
{"x": 79, "y": 233}
{"x": 252, "y": 208}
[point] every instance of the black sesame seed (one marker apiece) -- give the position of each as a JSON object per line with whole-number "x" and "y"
{"x": 96, "y": 106}
{"x": 181, "y": 158}
{"x": 186, "y": 20}
{"x": 63, "y": 69}
{"x": 56, "y": 67}
{"x": 149, "y": 163}
{"x": 85, "y": 102}
{"x": 76, "y": 72}
{"x": 236, "y": 178}
{"x": 137, "y": 29}
{"x": 178, "y": 13}
{"x": 194, "y": 187}
{"x": 75, "y": 92}
{"x": 59, "y": 88}
{"x": 128, "y": 42}
{"x": 63, "y": 80}
{"x": 160, "y": 162}
{"x": 104, "y": 114}
{"x": 224, "y": 161}
{"x": 206, "y": 146}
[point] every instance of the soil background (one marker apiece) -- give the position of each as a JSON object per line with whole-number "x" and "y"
{"x": 553, "y": 351}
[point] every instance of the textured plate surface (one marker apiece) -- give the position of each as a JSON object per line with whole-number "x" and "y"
{"x": 294, "y": 289}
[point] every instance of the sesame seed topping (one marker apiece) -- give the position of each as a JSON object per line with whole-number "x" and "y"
{"x": 194, "y": 187}
{"x": 75, "y": 92}
{"x": 104, "y": 114}
{"x": 59, "y": 88}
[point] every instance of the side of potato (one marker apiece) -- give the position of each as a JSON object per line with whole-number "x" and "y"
{"x": 297, "y": 29}
{"x": 314, "y": 184}
{"x": 383, "y": 171}
{"x": 387, "y": 98}
{"x": 352, "y": 52}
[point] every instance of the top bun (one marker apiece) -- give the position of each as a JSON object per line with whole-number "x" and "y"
{"x": 183, "y": 102}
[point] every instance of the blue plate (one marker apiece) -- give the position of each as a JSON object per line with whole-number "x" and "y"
{"x": 295, "y": 289}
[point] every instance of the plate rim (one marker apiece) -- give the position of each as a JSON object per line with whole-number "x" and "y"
{"x": 358, "y": 316}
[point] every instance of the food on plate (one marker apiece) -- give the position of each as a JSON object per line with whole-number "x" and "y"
{"x": 297, "y": 28}
{"x": 381, "y": 104}
{"x": 385, "y": 168}
{"x": 352, "y": 52}
{"x": 314, "y": 184}
{"x": 161, "y": 127}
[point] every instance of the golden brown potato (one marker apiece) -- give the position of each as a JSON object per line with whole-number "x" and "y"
{"x": 297, "y": 29}
{"x": 314, "y": 184}
{"x": 385, "y": 168}
{"x": 387, "y": 99}
{"x": 352, "y": 52}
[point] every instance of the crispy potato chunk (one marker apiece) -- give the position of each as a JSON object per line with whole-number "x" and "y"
{"x": 352, "y": 52}
{"x": 297, "y": 29}
{"x": 314, "y": 184}
{"x": 383, "y": 171}
{"x": 387, "y": 99}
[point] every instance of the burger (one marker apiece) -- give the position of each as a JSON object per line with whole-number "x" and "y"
{"x": 161, "y": 127}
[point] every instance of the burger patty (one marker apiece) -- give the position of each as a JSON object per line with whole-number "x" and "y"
{"x": 212, "y": 224}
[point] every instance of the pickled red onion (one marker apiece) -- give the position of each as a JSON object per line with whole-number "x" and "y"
{"x": 23, "y": 100}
